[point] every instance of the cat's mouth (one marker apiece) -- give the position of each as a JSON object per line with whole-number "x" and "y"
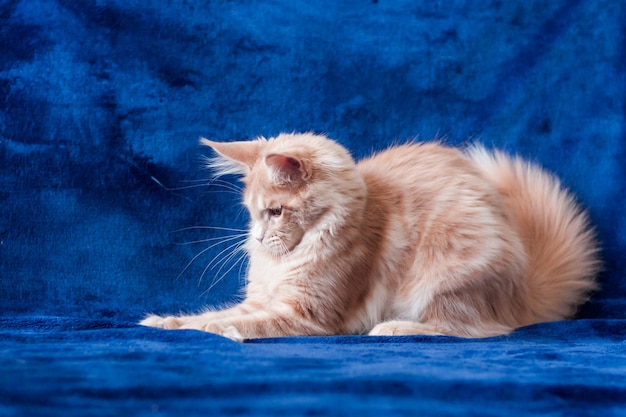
{"x": 280, "y": 247}
{"x": 275, "y": 247}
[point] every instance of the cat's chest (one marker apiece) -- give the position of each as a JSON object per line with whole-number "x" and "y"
{"x": 273, "y": 281}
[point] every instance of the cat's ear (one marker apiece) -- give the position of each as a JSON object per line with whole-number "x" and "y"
{"x": 233, "y": 157}
{"x": 287, "y": 169}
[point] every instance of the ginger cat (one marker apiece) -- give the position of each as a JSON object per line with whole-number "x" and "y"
{"x": 418, "y": 239}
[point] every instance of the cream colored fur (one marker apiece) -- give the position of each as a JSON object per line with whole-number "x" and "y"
{"x": 418, "y": 239}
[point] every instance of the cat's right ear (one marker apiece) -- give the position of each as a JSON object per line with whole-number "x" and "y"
{"x": 233, "y": 157}
{"x": 286, "y": 169}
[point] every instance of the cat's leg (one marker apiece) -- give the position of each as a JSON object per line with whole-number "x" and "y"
{"x": 457, "y": 302}
{"x": 260, "y": 324}
{"x": 404, "y": 328}
{"x": 177, "y": 322}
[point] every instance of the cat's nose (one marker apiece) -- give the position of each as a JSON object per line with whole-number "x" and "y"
{"x": 258, "y": 232}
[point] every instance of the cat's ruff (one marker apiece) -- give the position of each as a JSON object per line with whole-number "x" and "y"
{"x": 418, "y": 239}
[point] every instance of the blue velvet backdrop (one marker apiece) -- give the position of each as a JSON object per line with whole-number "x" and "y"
{"x": 101, "y": 107}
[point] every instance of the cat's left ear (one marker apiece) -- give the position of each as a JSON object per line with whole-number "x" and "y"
{"x": 287, "y": 169}
{"x": 234, "y": 157}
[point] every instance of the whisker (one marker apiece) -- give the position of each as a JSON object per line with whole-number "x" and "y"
{"x": 227, "y": 239}
{"x": 204, "y": 183}
{"x": 284, "y": 250}
{"x": 184, "y": 187}
{"x": 240, "y": 212}
{"x": 222, "y": 192}
{"x": 220, "y": 238}
{"x": 226, "y": 185}
{"x": 240, "y": 261}
{"x": 239, "y": 274}
{"x": 197, "y": 180}
{"x": 235, "y": 245}
{"x": 192, "y": 261}
{"x": 160, "y": 184}
{"x": 204, "y": 271}
{"x": 213, "y": 261}
{"x": 221, "y": 181}
{"x": 223, "y": 261}
{"x": 228, "y": 229}
{"x": 220, "y": 277}
{"x": 216, "y": 181}
{"x": 235, "y": 190}
{"x": 228, "y": 258}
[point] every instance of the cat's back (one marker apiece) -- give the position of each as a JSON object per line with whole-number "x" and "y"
{"x": 430, "y": 183}
{"x": 428, "y": 165}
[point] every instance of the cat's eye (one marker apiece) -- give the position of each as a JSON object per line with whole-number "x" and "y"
{"x": 275, "y": 212}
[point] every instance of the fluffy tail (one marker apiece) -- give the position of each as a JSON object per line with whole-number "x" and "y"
{"x": 563, "y": 254}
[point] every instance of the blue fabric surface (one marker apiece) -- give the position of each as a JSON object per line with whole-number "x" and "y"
{"x": 101, "y": 106}
{"x": 96, "y": 367}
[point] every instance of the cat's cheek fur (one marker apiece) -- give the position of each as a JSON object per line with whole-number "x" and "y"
{"x": 293, "y": 238}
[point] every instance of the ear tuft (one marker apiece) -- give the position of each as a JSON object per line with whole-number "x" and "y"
{"x": 287, "y": 169}
{"x": 232, "y": 157}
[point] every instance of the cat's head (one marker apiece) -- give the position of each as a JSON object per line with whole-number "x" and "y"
{"x": 296, "y": 186}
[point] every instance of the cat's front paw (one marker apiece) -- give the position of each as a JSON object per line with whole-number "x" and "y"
{"x": 226, "y": 330}
{"x": 383, "y": 329}
{"x": 403, "y": 328}
{"x": 168, "y": 323}
{"x": 232, "y": 333}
